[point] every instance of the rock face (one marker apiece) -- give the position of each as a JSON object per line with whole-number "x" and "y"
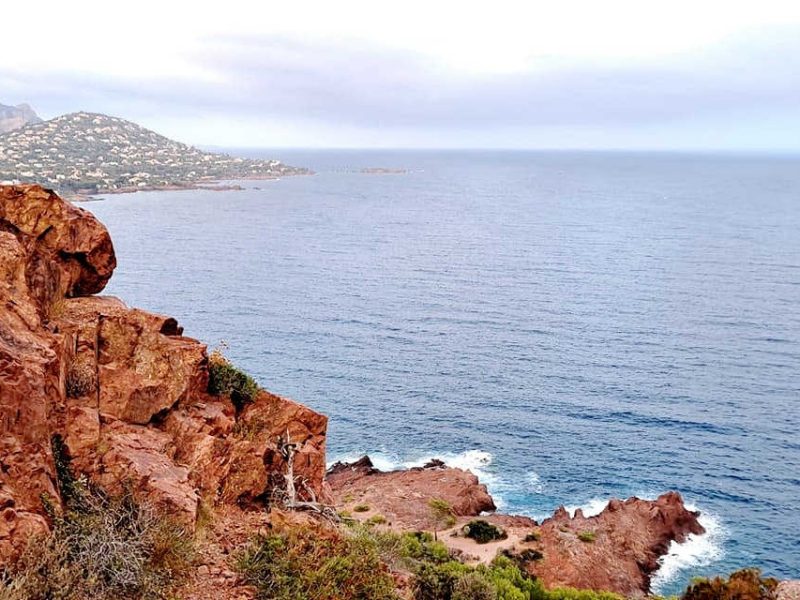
{"x": 402, "y": 497}
{"x": 616, "y": 550}
{"x": 123, "y": 389}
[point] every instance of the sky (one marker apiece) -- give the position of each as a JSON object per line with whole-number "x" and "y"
{"x": 619, "y": 74}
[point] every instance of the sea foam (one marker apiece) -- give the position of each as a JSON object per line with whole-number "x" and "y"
{"x": 696, "y": 551}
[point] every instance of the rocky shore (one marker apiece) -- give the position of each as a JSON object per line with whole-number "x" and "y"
{"x": 121, "y": 398}
{"x": 617, "y": 550}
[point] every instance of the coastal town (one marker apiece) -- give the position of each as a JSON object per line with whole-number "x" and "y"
{"x": 88, "y": 153}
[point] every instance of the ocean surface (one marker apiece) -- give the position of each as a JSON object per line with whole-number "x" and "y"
{"x": 571, "y": 326}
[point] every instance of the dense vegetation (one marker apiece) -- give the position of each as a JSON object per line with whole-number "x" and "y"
{"x": 307, "y": 564}
{"x": 746, "y": 584}
{"x": 226, "y": 379}
{"x": 359, "y": 563}
{"x": 100, "y": 548}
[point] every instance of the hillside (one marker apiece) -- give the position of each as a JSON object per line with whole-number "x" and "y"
{"x": 94, "y": 153}
{"x": 14, "y": 117}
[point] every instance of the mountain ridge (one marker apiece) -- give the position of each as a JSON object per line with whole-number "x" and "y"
{"x": 15, "y": 117}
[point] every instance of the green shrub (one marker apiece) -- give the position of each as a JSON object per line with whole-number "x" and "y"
{"x": 573, "y": 594}
{"x": 474, "y": 586}
{"x": 533, "y": 536}
{"x": 587, "y": 536}
{"x": 376, "y": 520}
{"x": 442, "y": 514}
{"x": 307, "y": 564}
{"x": 446, "y": 581}
{"x": 359, "y": 508}
{"x": 746, "y": 584}
{"x": 483, "y": 532}
{"x": 225, "y": 379}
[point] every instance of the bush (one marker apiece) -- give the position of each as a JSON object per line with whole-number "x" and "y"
{"x": 81, "y": 380}
{"x": 376, "y": 520}
{"x": 474, "y": 586}
{"x": 587, "y": 536}
{"x": 109, "y": 548}
{"x": 502, "y": 579}
{"x": 483, "y": 532}
{"x": 305, "y": 563}
{"x": 746, "y": 584}
{"x": 225, "y": 379}
{"x": 533, "y": 536}
{"x": 359, "y": 508}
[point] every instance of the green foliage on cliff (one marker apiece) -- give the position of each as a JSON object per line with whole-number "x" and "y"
{"x": 224, "y": 379}
{"x": 746, "y": 584}
{"x": 587, "y": 536}
{"x": 307, "y": 564}
{"x": 357, "y": 562}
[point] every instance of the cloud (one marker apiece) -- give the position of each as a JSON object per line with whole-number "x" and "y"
{"x": 355, "y": 84}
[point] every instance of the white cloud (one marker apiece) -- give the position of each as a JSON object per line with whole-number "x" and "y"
{"x": 271, "y": 72}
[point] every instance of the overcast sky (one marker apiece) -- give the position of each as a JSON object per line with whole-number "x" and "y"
{"x": 557, "y": 74}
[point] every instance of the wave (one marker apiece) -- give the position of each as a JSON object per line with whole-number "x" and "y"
{"x": 696, "y": 551}
{"x": 591, "y": 508}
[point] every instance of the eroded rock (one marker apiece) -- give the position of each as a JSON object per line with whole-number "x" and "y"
{"x": 123, "y": 388}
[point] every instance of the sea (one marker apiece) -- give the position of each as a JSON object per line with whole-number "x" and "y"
{"x": 570, "y": 326}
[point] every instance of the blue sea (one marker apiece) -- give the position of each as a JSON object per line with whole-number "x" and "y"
{"x": 571, "y": 326}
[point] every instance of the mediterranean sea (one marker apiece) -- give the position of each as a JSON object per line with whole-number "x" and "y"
{"x": 572, "y": 326}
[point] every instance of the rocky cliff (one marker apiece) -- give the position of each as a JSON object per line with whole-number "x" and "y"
{"x": 120, "y": 392}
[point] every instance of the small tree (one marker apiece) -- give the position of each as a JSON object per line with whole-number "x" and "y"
{"x": 441, "y": 514}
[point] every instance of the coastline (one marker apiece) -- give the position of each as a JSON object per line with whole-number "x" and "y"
{"x": 212, "y": 185}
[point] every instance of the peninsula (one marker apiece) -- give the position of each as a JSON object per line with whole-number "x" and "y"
{"x": 87, "y": 153}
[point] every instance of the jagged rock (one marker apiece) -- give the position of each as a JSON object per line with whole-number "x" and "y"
{"x": 123, "y": 388}
{"x": 402, "y": 497}
{"x": 622, "y": 553}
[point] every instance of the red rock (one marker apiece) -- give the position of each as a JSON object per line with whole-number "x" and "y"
{"x": 629, "y": 539}
{"x": 123, "y": 388}
{"x": 403, "y": 496}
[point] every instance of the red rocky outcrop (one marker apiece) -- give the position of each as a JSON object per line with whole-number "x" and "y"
{"x": 402, "y": 497}
{"x": 123, "y": 388}
{"x": 616, "y": 550}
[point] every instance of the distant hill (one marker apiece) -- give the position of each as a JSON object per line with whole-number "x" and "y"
{"x": 14, "y": 117}
{"x": 94, "y": 153}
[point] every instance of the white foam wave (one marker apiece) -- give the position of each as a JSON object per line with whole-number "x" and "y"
{"x": 535, "y": 483}
{"x": 591, "y": 508}
{"x": 696, "y": 551}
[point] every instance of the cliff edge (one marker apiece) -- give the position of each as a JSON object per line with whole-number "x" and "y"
{"x": 120, "y": 393}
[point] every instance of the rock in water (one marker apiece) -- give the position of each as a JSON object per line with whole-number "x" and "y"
{"x": 123, "y": 388}
{"x": 617, "y": 550}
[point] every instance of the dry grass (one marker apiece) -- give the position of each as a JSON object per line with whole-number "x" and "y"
{"x": 100, "y": 548}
